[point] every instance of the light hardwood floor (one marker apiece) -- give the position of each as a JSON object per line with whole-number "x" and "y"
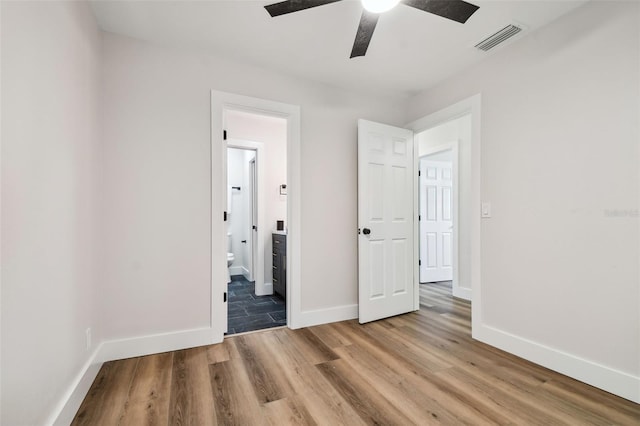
{"x": 419, "y": 368}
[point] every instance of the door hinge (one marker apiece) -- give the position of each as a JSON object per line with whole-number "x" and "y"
{"x": 224, "y": 299}
{"x": 418, "y": 170}
{"x": 419, "y": 262}
{"x": 224, "y": 135}
{"x": 419, "y": 218}
{"x": 225, "y": 216}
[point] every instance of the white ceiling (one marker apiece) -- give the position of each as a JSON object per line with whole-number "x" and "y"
{"x": 410, "y": 51}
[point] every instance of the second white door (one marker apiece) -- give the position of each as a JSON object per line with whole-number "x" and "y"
{"x": 436, "y": 221}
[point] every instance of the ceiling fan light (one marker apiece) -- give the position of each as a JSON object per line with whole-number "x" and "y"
{"x": 379, "y": 6}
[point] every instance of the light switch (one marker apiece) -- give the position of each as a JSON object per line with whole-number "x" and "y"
{"x": 486, "y": 210}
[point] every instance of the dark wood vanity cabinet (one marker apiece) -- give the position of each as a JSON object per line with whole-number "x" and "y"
{"x": 279, "y": 253}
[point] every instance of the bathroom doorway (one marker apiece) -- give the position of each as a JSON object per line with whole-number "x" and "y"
{"x": 257, "y": 208}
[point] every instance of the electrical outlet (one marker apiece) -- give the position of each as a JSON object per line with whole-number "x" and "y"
{"x": 88, "y": 336}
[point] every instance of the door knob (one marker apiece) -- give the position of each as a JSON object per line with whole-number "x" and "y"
{"x": 366, "y": 231}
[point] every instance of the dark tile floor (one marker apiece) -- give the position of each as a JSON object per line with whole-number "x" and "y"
{"x": 248, "y": 312}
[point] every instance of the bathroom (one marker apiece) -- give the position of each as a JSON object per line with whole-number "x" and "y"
{"x": 256, "y": 221}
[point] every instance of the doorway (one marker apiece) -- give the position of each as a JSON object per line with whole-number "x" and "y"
{"x": 221, "y": 104}
{"x": 256, "y": 171}
{"x": 444, "y": 206}
{"x": 436, "y": 216}
{"x": 375, "y": 139}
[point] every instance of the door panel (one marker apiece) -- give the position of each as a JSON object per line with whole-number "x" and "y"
{"x": 432, "y": 252}
{"x": 447, "y": 204}
{"x": 432, "y": 194}
{"x": 400, "y": 255}
{"x": 376, "y": 192}
{"x": 385, "y": 207}
{"x": 446, "y": 250}
{"x": 376, "y": 267}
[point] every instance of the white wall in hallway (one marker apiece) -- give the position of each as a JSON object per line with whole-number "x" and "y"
{"x": 440, "y": 156}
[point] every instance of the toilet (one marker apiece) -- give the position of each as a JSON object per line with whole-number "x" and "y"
{"x": 230, "y": 256}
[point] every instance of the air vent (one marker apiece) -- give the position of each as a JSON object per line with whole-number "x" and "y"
{"x": 497, "y": 38}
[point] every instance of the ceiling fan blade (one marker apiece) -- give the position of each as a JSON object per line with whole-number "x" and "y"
{"x": 367, "y": 24}
{"x": 456, "y": 10}
{"x": 290, "y": 6}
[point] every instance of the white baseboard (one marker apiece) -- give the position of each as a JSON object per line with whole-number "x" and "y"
{"x": 246, "y": 274}
{"x": 68, "y": 406}
{"x": 324, "y": 316}
{"x": 236, "y": 270}
{"x": 461, "y": 293}
{"x": 153, "y": 344}
{"x": 266, "y": 290}
{"x": 613, "y": 381}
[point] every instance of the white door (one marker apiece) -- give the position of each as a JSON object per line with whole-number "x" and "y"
{"x": 386, "y": 179}
{"x": 436, "y": 221}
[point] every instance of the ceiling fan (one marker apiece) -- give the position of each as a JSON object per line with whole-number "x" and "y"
{"x": 456, "y": 10}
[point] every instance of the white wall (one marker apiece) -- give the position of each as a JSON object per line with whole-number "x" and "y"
{"x": 457, "y": 130}
{"x": 50, "y": 166}
{"x": 272, "y": 132}
{"x": 157, "y": 209}
{"x": 560, "y": 151}
{"x": 446, "y": 156}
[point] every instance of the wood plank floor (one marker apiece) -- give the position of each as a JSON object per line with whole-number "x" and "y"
{"x": 419, "y": 368}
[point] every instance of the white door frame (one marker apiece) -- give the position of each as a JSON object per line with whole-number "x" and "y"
{"x": 257, "y": 252}
{"x": 453, "y": 146}
{"x": 255, "y": 186}
{"x": 470, "y": 106}
{"x": 221, "y": 101}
